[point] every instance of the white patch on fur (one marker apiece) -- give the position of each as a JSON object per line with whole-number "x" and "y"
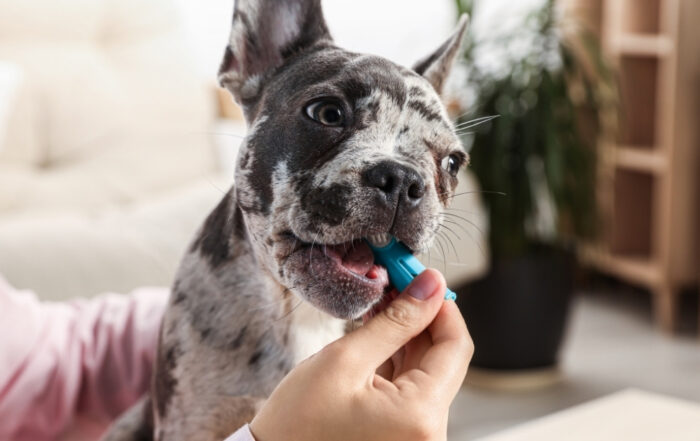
{"x": 312, "y": 330}
{"x": 251, "y": 87}
{"x": 287, "y": 22}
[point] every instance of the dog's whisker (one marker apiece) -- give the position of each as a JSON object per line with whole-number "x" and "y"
{"x": 498, "y": 193}
{"x": 468, "y": 222}
{"x": 291, "y": 310}
{"x": 471, "y": 237}
{"x": 450, "y": 240}
{"x": 230, "y": 135}
{"x": 476, "y": 122}
{"x": 457, "y": 224}
{"x": 478, "y": 119}
{"x": 442, "y": 251}
{"x": 216, "y": 186}
{"x": 311, "y": 249}
{"x": 461, "y": 210}
{"x": 458, "y": 117}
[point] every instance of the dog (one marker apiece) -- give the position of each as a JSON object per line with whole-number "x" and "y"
{"x": 341, "y": 146}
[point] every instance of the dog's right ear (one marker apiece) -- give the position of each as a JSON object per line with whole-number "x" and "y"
{"x": 265, "y": 33}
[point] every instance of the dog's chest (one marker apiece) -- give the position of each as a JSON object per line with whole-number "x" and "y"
{"x": 311, "y": 330}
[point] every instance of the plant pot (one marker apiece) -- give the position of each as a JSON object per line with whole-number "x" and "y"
{"x": 517, "y": 313}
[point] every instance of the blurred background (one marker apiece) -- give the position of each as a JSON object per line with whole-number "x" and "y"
{"x": 573, "y": 241}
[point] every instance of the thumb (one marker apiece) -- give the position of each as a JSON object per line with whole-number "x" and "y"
{"x": 406, "y": 317}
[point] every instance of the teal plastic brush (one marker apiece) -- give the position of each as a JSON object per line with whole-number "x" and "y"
{"x": 399, "y": 262}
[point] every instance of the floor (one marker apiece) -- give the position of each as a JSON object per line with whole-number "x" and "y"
{"x": 611, "y": 345}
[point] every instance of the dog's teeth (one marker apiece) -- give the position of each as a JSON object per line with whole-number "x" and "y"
{"x": 379, "y": 240}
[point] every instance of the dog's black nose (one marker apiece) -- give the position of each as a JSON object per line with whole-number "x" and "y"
{"x": 397, "y": 183}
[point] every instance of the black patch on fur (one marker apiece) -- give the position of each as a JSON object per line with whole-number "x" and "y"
{"x": 164, "y": 379}
{"x": 424, "y": 110}
{"x": 378, "y": 75}
{"x": 239, "y": 228}
{"x": 178, "y": 297}
{"x": 145, "y": 432}
{"x": 415, "y": 92}
{"x": 215, "y": 236}
{"x": 255, "y": 358}
{"x": 422, "y": 67}
{"x": 205, "y": 333}
{"x": 285, "y": 365}
{"x": 244, "y": 161}
{"x": 238, "y": 341}
{"x": 372, "y": 115}
{"x": 326, "y": 205}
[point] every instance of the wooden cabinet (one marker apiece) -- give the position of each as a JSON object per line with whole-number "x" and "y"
{"x": 649, "y": 186}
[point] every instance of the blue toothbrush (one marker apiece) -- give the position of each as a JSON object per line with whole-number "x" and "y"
{"x": 401, "y": 265}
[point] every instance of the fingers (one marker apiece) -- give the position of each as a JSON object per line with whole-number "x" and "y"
{"x": 447, "y": 360}
{"x": 386, "y": 370}
{"x": 415, "y": 352}
{"x": 406, "y": 317}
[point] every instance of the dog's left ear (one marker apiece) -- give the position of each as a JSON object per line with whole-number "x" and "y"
{"x": 265, "y": 33}
{"x": 436, "y": 67}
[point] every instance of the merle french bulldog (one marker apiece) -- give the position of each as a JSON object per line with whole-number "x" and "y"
{"x": 341, "y": 146}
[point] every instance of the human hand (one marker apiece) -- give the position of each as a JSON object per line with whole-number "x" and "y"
{"x": 392, "y": 379}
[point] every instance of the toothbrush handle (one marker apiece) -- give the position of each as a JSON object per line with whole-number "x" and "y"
{"x": 403, "y": 266}
{"x": 410, "y": 268}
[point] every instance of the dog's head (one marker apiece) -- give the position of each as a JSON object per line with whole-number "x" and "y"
{"x": 341, "y": 146}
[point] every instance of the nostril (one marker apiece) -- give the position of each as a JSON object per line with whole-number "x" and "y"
{"x": 385, "y": 176}
{"x": 416, "y": 190}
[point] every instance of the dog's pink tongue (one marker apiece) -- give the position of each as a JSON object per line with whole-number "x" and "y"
{"x": 359, "y": 258}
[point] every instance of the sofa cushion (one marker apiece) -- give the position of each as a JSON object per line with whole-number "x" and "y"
{"x": 10, "y": 80}
{"x": 105, "y": 82}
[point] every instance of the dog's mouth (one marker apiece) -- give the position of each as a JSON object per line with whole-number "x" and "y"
{"x": 350, "y": 262}
{"x": 341, "y": 279}
{"x": 356, "y": 258}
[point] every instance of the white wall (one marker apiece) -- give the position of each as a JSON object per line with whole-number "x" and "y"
{"x": 403, "y": 31}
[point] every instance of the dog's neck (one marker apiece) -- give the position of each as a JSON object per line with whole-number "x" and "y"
{"x": 221, "y": 264}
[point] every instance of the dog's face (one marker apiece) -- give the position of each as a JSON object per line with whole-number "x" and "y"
{"x": 340, "y": 147}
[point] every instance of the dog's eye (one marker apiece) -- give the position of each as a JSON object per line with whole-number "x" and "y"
{"x": 327, "y": 113}
{"x": 451, "y": 164}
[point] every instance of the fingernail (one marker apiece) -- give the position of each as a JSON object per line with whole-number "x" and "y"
{"x": 422, "y": 287}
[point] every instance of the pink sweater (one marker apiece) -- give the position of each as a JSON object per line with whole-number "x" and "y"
{"x": 68, "y": 369}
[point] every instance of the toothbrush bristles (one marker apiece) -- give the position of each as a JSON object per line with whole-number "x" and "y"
{"x": 380, "y": 240}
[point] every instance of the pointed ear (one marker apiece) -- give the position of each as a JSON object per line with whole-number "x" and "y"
{"x": 437, "y": 66}
{"x": 264, "y": 34}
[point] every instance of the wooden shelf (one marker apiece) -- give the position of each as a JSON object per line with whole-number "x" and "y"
{"x": 648, "y": 45}
{"x": 639, "y": 15}
{"x": 644, "y": 160}
{"x": 649, "y": 176}
{"x": 639, "y": 78}
{"x": 638, "y": 270}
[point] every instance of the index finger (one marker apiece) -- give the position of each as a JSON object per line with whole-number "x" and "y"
{"x": 446, "y": 362}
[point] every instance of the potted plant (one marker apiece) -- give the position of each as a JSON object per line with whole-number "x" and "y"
{"x": 540, "y": 153}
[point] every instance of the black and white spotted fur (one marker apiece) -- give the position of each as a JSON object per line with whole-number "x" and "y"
{"x": 254, "y": 294}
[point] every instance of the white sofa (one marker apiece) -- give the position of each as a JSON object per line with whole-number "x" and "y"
{"x": 108, "y": 161}
{"x": 106, "y": 115}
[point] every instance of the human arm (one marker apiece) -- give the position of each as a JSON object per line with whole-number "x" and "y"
{"x": 60, "y": 359}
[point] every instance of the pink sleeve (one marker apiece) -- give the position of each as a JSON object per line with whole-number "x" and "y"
{"x": 242, "y": 434}
{"x": 92, "y": 357}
